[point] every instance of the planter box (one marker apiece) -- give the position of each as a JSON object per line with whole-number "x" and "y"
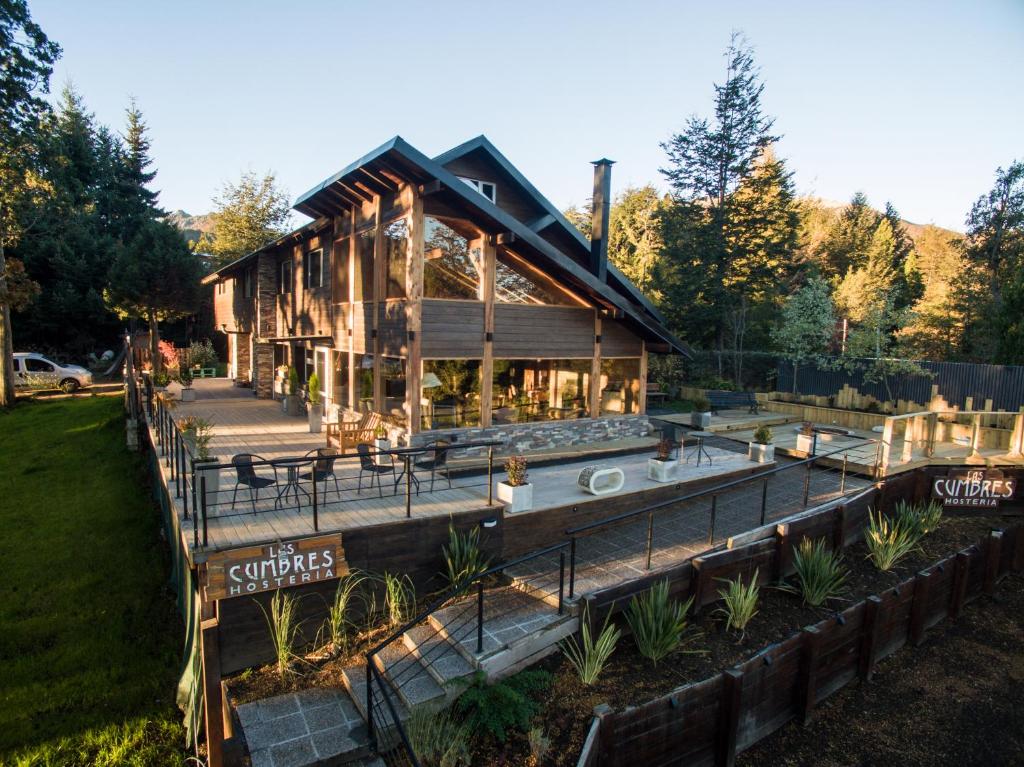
{"x": 662, "y": 471}
{"x": 517, "y": 498}
{"x": 293, "y": 405}
{"x": 804, "y": 443}
{"x": 379, "y": 458}
{"x": 212, "y": 477}
{"x": 316, "y": 418}
{"x": 761, "y": 453}
{"x": 700, "y": 420}
{"x": 188, "y": 395}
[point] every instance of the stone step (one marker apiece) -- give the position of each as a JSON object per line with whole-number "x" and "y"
{"x": 408, "y": 676}
{"x": 439, "y": 656}
{"x": 354, "y": 679}
{"x": 518, "y": 629}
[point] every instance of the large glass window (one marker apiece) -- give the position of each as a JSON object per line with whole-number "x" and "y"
{"x": 396, "y": 254}
{"x": 450, "y": 268}
{"x": 620, "y": 386}
{"x": 450, "y": 395}
{"x": 516, "y": 282}
{"x": 339, "y": 380}
{"x": 339, "y": 284}
{"x": 284, "y": 282}
{"x": 363, "y": 283}
{"x": 539, "y": 390}
{"x": 315, "y": 268}
{"x": 392, "y": 373}
{"x": 364, "y": 382}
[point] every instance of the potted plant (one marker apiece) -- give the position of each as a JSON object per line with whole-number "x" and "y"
{"x": 805, "y": 438}
{"x": 161, "y": 380}
{"x": 316, "y": 405}
{"x": 380, "y": 444}
{"x": 197, "y": 433}
{"x": 292, "y": 401}
{"x": 761, "y": 448}
{"x": 662, "y": 468}
{"x": 515, "y": 492}
{"x": 701, "y": 415}
{"x": 185, "y": 378}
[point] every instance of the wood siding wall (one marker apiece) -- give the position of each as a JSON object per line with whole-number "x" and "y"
{"x": 618, "y": 341}
{"x": 231, "y": 308}
{"x": 453, "y": 329}
{"x": 394, "y": 339}
{"x": 542, "y": 331}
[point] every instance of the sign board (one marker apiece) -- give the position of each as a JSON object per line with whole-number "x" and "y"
{"x": 240, "y": 572}
{"x": 974, "y": 488}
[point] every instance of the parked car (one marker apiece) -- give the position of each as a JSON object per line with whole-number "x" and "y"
{"x": 34, "y": 371}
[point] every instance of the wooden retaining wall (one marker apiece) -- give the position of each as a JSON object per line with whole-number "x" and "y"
{"x": 709, "y": 722}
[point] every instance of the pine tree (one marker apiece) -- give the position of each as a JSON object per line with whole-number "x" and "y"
{"x": 634, "y": 235}
{"x": 248, "y": 215}
{"x": 845, "y": 246}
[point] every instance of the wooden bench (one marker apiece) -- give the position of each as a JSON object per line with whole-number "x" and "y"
{"x": 346, "y": 434}
{"x": 732, "y": 400}
{"x": 655, "y": 394}
{"x": 198, "y": 372}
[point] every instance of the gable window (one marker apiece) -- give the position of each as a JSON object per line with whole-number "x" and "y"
{"x": 451, "y": 269}
{"x": 315, "y": 268}
{"x": 247, "y": 284}
{"x": 396, "y": 236}
{"x": 284, "y": 277}
{"x": 486, "y": 188}
{"x": 517, "y": 282}
{"x": 222, "y": 287}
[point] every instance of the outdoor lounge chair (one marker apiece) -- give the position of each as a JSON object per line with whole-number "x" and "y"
{"x": 246, "y": 475}
{"x": 367, "y": 464}
{"x": 438, "y": 460}
{"x": 348, "y": 434}
{"x": 323, "y": 467}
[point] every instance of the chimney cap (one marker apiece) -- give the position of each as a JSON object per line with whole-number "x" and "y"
{"x": 603, "y": 161}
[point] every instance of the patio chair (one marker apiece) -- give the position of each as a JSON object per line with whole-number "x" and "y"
{"x": 438, "y": 460}
{"x": 354, "y": 433}
{"x": 323, "y": 467}
{"x": 367, "y": 464}
{"x": 245, "y": 475}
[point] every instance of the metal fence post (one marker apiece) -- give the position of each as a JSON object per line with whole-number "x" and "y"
{"x": 369, "y": 705}
{"x": 561, "y": 579}
{"x": 202, "y": 494}
{"x": 316, "y": 506}
{"x": 764, "y": 501}
{"x": 572, "y": 566}
{"x": 479, "y": 617}
{"x": 176, "y": 464}
{"x": 408, "y": 487}
{"x": 711, "y": 524}
{"x": 842, "y": 478}
{"x": 490, "y": 476}
{"x": 807, "y": 482}
{"x": 650, "y": 537}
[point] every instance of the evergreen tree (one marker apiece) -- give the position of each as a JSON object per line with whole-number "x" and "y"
{"x": 807, "y": 325}
{"x": 634, "y": 235}
{"x": 248, "y": 215}
{"x": 28, "y": 57}
{"x": 845, "y": 246}
{"x": 936, "y": 324}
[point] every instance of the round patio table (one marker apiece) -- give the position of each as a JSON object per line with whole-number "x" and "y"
{"x": 407, "y": 454}
{"x": 291, "y": 484}
{"x": 700, "y": 450}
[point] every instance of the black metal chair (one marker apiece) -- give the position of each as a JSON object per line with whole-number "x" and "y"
{"x": 245, "y": 474}
{"x": 368, "y": 465}
{"x": 323, "y": 467}
{"x": 438, "y": 460}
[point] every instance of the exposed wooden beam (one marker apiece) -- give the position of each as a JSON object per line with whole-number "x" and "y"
{"x": 431, "y": 187}
{"x": 541, "y": 223}
{"x": 359, "y": 194}
{"x": 378, "y": 186}
{"x": 365, "y": 188}
{"x": 505, "y": 238}
{"x": 339, "y": 196}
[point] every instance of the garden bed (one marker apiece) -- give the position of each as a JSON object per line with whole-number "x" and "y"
{"x": 630, "y": 679}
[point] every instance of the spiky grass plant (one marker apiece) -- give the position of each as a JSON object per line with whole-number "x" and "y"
{"x": 438, "y": 739}
{"x": 890, "y": 539}
{"x": 462, "y": 556}
{"x": 399, "y": 598}
{"x": 338, "y": 623}
{"x": 589, "y": 656}
{"x": 540, "y": 745}
{"x": 657, "y": 621}
{"x": 820, "y": 573}
{"x": 740, "y": 602}
{"x": 282, "y": 621}
{"x": 924, "y": 518}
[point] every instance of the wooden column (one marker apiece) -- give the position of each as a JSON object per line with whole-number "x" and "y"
{"x": 413, "y": 305}
{"x": 353, "y": 398}
{"x": 642, "y": 404}
{"x": 379, "y": 295}
{"x": 488, "y": 258}
{"x": 595, "y": 369}
{"x": 213, "y": 702}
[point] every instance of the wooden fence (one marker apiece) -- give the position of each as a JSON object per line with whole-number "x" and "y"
{"x": 709, "y": 722}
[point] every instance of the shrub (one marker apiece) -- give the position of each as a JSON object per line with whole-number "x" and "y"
{"x": 740, "y": 602}
{"x": 701, "y": 404}
{"x": 282, "y": 621}
{"x": 590, "y": 657}
{"x": 338, "y": 623}
{"x": 890, "y": 540}
{"x": 923, "y": 518}
{"x": 399, "y": 598}
{"x": 293, "y": 381}
{"x": 313, "y": 385}
{"x": 202, "y": 353}
{"x": 664, "y": 449}
{"x": 820, "y": 573}
{"x": 763, "y": 435}
{"x": 807, "y": 428}
{"x": 462, "y": 556}
{"x": 437, "y": 738}
{"x": 657, "y": 621}
{"x": 199, "y": 432}
{"x": 515, "y": 467}
{"x": 496, "y": 708}
{"x": 185, "y": 376}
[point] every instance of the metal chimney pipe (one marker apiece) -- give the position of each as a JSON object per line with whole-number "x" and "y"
{"x": 602, "y": 202}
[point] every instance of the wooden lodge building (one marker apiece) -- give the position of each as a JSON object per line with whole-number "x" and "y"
{"x": 447, "y": 293}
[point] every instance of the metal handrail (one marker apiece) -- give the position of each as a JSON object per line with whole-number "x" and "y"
{"x": 574, "y": 531}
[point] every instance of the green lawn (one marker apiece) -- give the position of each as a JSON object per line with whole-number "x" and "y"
{"x": 89, "y": 635}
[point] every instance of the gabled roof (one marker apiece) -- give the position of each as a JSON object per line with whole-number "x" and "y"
{"x": 397, "y": 158}
{"x": 297, "y": 233}
{"x": 482, "y": 143}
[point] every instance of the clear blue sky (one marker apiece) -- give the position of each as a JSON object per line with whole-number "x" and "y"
{"x": 913, "y": 102}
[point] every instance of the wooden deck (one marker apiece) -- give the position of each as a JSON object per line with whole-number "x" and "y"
{"x": 243, "y": 424}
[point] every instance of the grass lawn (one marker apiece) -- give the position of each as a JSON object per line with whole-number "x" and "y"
{"x": 91, "y": 639}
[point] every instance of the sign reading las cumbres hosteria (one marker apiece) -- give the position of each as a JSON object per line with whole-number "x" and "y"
{"x": 254, "y": 569}
{"x": 977, "y": 488}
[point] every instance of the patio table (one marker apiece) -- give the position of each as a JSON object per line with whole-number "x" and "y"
{"x": 291, "y": 484}
{"x": 407, "y": 454}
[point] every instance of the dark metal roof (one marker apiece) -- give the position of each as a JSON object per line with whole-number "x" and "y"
{"x": 307, "y": 228}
